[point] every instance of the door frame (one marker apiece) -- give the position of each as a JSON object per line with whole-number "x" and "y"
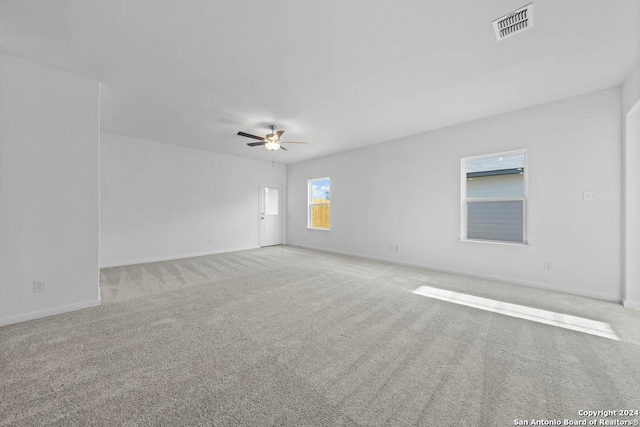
{"x": 283, "y": 213}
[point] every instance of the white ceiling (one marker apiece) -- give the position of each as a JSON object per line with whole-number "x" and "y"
{"x": 339, "y": 74}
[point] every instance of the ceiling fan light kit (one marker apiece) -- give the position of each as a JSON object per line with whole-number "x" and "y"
{"x": 272, "y": 145}
{"x": 271, "y": 141}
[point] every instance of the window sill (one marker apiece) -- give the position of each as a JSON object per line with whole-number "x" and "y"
{"x": 319, "y": 229}
{"x": 494, "y": 242}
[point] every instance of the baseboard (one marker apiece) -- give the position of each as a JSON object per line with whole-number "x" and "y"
{"x": 573, "y": 291}
{"x": 172, "y": 257}
{"x": 48, "y": 312}
{"x": 631, "y": 304}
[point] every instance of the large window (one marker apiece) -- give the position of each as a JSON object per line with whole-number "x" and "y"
{"x": 494, "y": 197}
{"x": 319, "y": 203}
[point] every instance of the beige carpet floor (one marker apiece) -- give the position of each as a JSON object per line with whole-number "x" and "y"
{"x": 288, "y": 336}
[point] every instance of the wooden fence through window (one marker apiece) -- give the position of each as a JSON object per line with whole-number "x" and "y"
{"x": 320, "y": 213}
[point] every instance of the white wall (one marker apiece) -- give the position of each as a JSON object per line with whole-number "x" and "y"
{"x": 49, "y": 147}
{"x": 631, "y": 89}
{"x": 161, "y": 201}
{"x": 407, "y": 192}
{"x": 631, "y": 86}
{"x": 632, "y": 209}
{"x": 631, "y": 111}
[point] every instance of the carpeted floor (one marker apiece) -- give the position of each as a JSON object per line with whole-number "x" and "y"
{"x": 287, "y": 336}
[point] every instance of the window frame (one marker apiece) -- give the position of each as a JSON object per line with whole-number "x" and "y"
{"x": 310, "y": 204}
{"x": 464, "y": 201}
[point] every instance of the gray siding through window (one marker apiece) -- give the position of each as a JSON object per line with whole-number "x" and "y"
{"x": 513, "y": 161}
{"x": 496, "y": 186}
{"x": 495, "y": 220}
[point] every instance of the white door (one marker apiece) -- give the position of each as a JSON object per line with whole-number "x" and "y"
{"x": 270, "y": 214}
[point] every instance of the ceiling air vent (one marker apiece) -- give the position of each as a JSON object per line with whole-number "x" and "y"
{"x": 514, "y": 22}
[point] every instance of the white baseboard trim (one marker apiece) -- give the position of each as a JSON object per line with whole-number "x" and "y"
{"x": 48, "y": 312}
{"x": 631, "y": 304}
{"x": 172, "y": 257}
{"x": 573, "y": 291}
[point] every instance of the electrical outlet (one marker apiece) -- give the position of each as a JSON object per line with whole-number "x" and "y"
{"x": 548, "y": 265}
{"x": 38, "y": 286}
{"x": 396, "y": 248}
{"x": 390, "y": 246}
{"x": 588, "y": 195}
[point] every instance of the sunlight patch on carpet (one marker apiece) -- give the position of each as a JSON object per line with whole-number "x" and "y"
{"x": 560, "y": 320}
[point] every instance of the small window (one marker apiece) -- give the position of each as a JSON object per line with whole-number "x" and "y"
{"x": 319, "y": 203}
{"x": 271, "y": 201}
{"x": 494, "y": 197}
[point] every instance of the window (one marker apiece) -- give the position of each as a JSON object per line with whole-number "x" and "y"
{"x": 494, "y": 197}
{"x": 271, "y": 201}
{"x": 319, "y": 203}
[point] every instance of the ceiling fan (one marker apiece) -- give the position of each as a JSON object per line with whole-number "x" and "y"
{"x": 271, "y": 141}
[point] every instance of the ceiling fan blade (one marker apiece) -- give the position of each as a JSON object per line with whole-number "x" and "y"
{"x": 292, "y": 142}
{"x": 254, "y": 144}
{"x": 248, "y": 135}
{"x": 279, "y": 134}
{"x": 282, "y": 148}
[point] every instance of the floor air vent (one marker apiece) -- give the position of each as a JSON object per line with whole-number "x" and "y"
{"x": 514, "y": 22}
